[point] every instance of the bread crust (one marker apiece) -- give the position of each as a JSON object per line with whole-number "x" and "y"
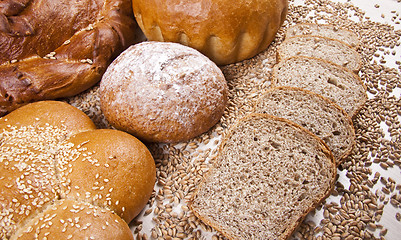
{"x": 52, "y": 151}
{"x": 40, "y": 61}
{"x": 163, "y": 92}
{"x": 290, "y": 229}
{"x": 223, "y": 30}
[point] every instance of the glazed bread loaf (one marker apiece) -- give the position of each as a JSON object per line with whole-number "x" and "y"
{"x": 324, "y": 30}
{"x": 324, "y": 48}
{"x": 53, "y": 49}
{"x": 53, "y": 159}
{"x": 269, "y": 174}
{"x": 336, "y": 83}
{"x": 225, "y": 31}
{"x": 163, "y": 92}
{"x": 314, "y": 112}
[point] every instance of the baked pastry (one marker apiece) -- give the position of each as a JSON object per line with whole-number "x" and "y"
{"x": 334, "y": 82}
{"x": 225, "y": 31}
{"x": 53, "y": 49}
{"x": 316, "y": 113}
{"x": 163, "y": 92}
{"x": 67, "y": 219}
{"x": 324, "y": 30}
{"x": 268, "y": 175}
{"x": 53, "y": 159}
{"x": 324, "y": 48}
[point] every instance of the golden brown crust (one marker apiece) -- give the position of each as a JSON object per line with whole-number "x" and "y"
{"x": 50, "y": 151}
{"x": 40, "y": 61}
{"x": 67, "y": 219}
{"x": 54, "y": 113}
{"x": 122, "y": 162}
{"x": 225, "y": 31}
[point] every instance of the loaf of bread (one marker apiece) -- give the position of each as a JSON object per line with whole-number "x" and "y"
{"x": 336, "y": 83}
{"x": 163, "y": 92}
{"x": 324, "y": 48}
{"x": 317, "y": 114}
{"x": 324, "y": 30}
{"x": 61, "y": 172}
{"x": 67, "y": 219}
{"x": 225, "y": 31}
{"x": 269, "y": 174}
{"x": 53, "y": 49}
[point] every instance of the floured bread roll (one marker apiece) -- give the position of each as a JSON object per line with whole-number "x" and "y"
{"x": 163, "y": 92}
{"x": 226, "y": 31}
{"x": 62, "y": 177}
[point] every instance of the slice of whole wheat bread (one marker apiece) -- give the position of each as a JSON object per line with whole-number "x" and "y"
{"x": 328, "y": 49}
{"x": 269, "y": 174}
{"x": 324, "y": 30}
{"x": 336, "y": 83}
{"x": 316, "y": 113}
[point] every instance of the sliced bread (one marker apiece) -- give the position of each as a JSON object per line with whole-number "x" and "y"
{"x": 329, "y": 80}
{"x": 316, "y": 113}
{"x": 269, "y": 174}
{"x": 324, "y": 30}
{"x": 328, "y": 49}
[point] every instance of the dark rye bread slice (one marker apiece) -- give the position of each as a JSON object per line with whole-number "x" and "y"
{"x": 336, "y": 83}
{"x": 269, "y": 174}
{"x": 328, "y": 49}
{"x": 324, "y": 30}
{"x": 316, "y": 113}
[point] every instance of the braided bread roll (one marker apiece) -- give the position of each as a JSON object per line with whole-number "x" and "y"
{"x": 52, "y": 49}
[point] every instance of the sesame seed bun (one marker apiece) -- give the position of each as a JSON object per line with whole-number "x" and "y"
{"x": 53, "y": 159}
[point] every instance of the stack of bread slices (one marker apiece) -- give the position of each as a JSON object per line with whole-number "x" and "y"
{"x": 277, "y": 164}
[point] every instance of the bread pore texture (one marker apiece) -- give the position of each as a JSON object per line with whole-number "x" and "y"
{"x": 317, "y": 114}
{"x": 324, "y": 30}
{"x": 163, "y": 92}
{"x": 334, "y": 82}
{"x": 269, "y": 174}
{"x": 328, "y": 49}
{"x": 225, "y": 31}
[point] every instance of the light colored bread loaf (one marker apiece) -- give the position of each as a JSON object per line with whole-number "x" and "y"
{"x": 324, "y": 48}
{"x": 268, "y": 175}
{"x": 53, "y": 49}
{"x": 67, "y": 219}
{"x": 336, "y": 83}
{"x": 324, "y": 30}
{"x": 163, "y": 92}
{"x": 45, "y": 158}
{"x": 225, "y": 31}
{"x": 317, "y": 114}
{"x": 120, "y": 167}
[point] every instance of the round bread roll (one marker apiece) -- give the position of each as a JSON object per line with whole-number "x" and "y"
{"x": 163, "y": 92}
{"x": 226, "y": 31}
{"x": 67, "y": 219}
{"x": 45, "y": 158}
{"x": 53, "y": 49}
